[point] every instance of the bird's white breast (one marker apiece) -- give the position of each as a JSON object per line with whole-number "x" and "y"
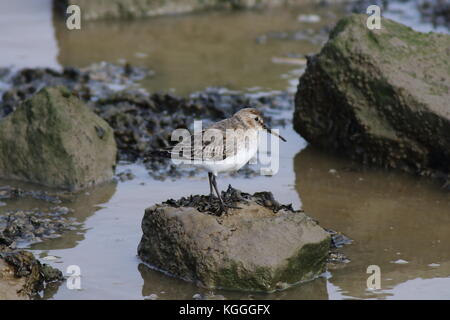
{"x": 233, "y": 163}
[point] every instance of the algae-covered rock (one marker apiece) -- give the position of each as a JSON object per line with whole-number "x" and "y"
{"x": 260, "y": 247}
{"x": 381, "y": 97}
{"x": 53, "y": 139}
{"x": 22, "y": 276}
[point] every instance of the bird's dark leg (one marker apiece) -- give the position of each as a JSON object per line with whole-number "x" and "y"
{"x": 211, "y": 192}
{"x": 222, "y": 204}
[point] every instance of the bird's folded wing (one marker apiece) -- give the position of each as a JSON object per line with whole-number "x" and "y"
{"x": 210, "y": 145}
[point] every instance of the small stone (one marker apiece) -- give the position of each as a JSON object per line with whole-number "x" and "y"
{"x": 282, "y": 286}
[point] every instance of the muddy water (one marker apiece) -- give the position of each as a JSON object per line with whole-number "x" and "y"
{"x": 189, "y": 53}
{"x": 397, "y": 222}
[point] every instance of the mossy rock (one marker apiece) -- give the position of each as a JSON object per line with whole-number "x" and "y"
{"x": 380, "y": 97}
{"x": 248, "y": 249}
{"x": 111, "y": 9}
{"x": 53, "y": 139}
{"x": 22, "y": 276}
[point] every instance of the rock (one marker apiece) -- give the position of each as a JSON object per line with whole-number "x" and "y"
{"x": 10, "y": 286}
{"x": 33, "y": 226}
{"x": 101, "y": 9}
{"x": 22, "y": 276}
{"x": 380, "y": 97}
{"x": 251, "y": 249}
{"x": 53, "y": 139}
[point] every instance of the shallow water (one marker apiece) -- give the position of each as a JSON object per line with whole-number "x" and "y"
{"x": 397, "y": 222}
{"x": 189, "y": 52}
{"x": 27, "y": 34}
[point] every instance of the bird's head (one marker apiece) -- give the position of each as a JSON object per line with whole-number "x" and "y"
{"x": 254, "y": 119}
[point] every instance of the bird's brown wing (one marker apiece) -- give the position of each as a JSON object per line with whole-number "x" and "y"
{"x": 211, "y": 145}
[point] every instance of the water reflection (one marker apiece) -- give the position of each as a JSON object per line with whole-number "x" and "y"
{"x": 84, "y": 204}
{"x": 398, "y": 222}
{"x": 165, "y": 287}
{"x": 171, "y": 288}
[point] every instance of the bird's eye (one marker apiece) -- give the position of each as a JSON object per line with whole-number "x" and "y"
{"x": 256, "y": 119}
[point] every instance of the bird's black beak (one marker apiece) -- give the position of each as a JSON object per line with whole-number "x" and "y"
{"x": 272, "y": 132}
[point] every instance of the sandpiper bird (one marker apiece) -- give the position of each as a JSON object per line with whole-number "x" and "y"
{"x": 225, "y": 146}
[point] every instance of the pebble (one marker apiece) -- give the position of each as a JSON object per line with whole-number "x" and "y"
{"x": 338, "y": 257}
{"x": 282, "y": 285}
{"x": 338, "y": 240}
